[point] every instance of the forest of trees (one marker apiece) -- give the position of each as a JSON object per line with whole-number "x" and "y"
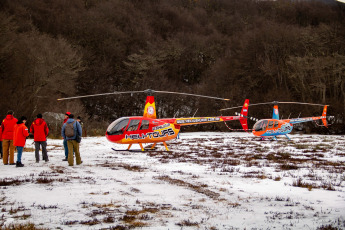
{"x": 262, "y": 50}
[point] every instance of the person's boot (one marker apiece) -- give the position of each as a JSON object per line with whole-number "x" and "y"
{"x": 19, "y": 164}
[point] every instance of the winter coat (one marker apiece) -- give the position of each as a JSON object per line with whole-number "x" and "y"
{"x": 20, "y": 134}
{"x": 40, "y": 129}
{"x": 77, "y": 129}
{"x": 7, "y": 127}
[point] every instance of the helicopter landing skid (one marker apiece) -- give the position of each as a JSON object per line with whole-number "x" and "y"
{"x": 140, "y": 151}
{"x": 126, "y": 150}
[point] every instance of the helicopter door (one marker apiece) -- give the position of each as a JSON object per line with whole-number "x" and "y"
{"x": 133, "y": 125}
{"x": 144, "y": 124}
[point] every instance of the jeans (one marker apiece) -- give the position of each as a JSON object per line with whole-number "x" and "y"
{"x": 66, "y": 148}
{"x": 19, "y": 154}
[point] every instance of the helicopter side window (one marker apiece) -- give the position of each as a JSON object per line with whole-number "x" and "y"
{"x": 276, "y": 124}
{"x": 118, "y": 126}
{"x": 133, "y": 125}
{"x": 260, "y": 126}
{"x": 270, "y": 124}
{"x": 144, "y": 125}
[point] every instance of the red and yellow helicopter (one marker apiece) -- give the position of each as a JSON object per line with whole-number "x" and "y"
{"x": 275, "y": 126}
{"x": 150, "y": 129}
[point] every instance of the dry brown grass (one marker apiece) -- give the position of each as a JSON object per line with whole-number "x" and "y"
{"x": 197, "y": 188}
{"x": 28, "y": 226}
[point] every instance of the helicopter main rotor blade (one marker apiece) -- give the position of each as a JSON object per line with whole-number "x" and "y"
{"x": 301, "y": 103}
{"x": 100, "y": 94}
{"x": 274, "y": 103}
{"x": 148, "y": 91}
{"x": 195, "y": 95}
{"x": 248, "y": 105}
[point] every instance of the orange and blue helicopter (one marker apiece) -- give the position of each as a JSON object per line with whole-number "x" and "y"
{"x": 150, "y": 129}
{"x": 274, "y": 127}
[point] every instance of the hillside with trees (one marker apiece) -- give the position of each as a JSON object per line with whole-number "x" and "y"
{"x": 261, "y": 50}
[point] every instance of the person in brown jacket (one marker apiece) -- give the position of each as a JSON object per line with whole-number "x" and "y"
{"x": 7, "y": 128}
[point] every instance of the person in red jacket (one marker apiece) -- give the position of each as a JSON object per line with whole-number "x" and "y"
{"x": 0, "y": 140}
{"x": 19, "y": 139}
{"x": 40, "y": 130}
{"x": 7, "y": 128}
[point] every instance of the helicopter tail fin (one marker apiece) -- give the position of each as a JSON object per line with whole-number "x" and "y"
{"x": 275, "y": 112}
{"x": 244, "y": 114}
{"x": 150, "y": 107}
{"x": 324, "y": 114}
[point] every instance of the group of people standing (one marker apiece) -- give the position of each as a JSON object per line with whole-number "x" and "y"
{"x": 13, "y": 134}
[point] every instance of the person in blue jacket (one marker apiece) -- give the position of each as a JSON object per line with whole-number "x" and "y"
{"x": 71, "y": 131}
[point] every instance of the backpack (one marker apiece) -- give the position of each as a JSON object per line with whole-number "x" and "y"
{"x": 69, "y": 129}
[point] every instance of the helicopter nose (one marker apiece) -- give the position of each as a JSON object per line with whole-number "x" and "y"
{"x": 255, "y": 133}
{"x": 114, "y": 138}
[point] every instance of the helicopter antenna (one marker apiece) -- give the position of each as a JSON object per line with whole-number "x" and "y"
{"x": 195, "y": 112}
{"x": 177, "y": 112}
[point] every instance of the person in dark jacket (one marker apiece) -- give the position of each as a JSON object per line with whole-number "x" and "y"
{"x": 19, "y": 139}
{"x": 7, "y": 128}
{"x": 70, "y": 130}
{"x": 40, "y": 130}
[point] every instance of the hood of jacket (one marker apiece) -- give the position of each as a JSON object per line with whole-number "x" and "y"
{"x": 39, "y": 121}
{"x": 9, "y": 117}
{"x": 70, "y": 120}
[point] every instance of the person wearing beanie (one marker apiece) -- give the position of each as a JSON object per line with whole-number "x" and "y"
{"x": 71, "y": 131}
{"x": 64, "y": 140}
{"x": 19, "y": 139}
{"x": 7, "y": 128}
{"x": 40, "y": 130}
{"x": 82, "y": 125}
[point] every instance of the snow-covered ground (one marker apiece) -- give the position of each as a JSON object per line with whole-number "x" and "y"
{"x": 207, "y": 181}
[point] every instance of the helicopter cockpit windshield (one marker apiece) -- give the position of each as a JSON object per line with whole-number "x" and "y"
{"x": 118, "y": 126}
{"x": 260, "y": 125}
